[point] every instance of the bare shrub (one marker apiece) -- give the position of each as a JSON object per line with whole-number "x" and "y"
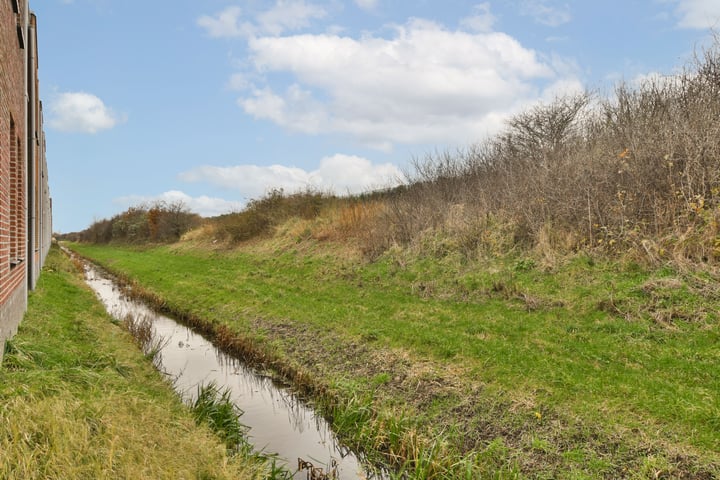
{"x": 641, "y": 167}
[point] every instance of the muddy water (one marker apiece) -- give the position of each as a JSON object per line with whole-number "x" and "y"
{"x": 279, "y": 423}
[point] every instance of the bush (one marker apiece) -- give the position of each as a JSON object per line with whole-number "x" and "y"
{"x": 157, "y": 222}
{"x": 583, "y": 172}
{"x": 263, "y": 214}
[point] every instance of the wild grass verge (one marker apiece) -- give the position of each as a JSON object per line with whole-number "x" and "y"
{"x": 501, "y": 367}
{"x": 77, "y": 399}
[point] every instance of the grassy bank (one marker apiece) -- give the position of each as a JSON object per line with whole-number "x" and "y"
{"x": 454, "y": 368}
{"x": 79, "y": 400}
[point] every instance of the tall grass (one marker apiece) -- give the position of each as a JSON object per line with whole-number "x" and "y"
{"x": 636, "y": 172}
{"x": 215, "y": 408}
{"x": 78, "y": 401}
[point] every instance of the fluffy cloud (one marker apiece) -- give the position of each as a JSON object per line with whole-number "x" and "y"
{"x": 698, "y": 14}
{"x": 545, "y": 14}
{"x": 80, "y": 112}
{"x": 338, "y": 173}
{"x": 285, "y": 15}
{"x": 203, "y": 205}
{"x": 423, "y": 84}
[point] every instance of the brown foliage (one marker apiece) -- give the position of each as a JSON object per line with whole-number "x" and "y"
{"x": 642, "y": 166}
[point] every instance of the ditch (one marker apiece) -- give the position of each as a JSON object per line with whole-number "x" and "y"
{"x": 278, "y": 422}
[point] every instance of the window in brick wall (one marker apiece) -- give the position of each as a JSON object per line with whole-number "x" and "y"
{"x": 11, "y": 194}
{"x": 20, "y": 28}
{"x": 17, "y": 203}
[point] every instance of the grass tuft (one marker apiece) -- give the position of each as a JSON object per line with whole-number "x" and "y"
{"x": 216, "y": 409}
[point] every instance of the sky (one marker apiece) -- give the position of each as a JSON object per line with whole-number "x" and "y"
{"x": 213, "y": 103}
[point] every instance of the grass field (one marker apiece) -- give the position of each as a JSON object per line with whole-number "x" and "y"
{"x": 493, "y": 368}
{"x": 78, "y": 400}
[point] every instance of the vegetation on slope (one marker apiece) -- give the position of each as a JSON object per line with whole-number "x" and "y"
{"x": 78, "y": 400}
{"x": 636, "y": 173}
{"x": 158, "y": 222}
{"x": 542, "y": 304}
{"x": 457, "y": 369}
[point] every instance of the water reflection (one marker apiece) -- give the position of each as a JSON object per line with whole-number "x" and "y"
{"x": 279, "y": 423}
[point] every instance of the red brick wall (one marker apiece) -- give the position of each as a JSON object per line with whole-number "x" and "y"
{"x": 25, "y": 204}
{"x": 12, "y": 146}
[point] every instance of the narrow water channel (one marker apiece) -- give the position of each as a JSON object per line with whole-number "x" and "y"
{"x": 279, "y": 423}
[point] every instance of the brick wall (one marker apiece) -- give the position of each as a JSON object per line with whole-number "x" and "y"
{"x": 25, "y": 203}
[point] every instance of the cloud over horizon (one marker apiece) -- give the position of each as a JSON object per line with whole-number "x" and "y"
{"x": 81, "y": 112}
{"x": 202, "y": 205}
{"x": 422, "y": 83}
{"x": 337, "y": 173}
{"x": 698, "y": 14}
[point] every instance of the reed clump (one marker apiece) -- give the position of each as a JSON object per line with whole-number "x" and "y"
{"x": 214, "y": 407}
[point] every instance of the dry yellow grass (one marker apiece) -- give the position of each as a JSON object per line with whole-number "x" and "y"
{"x": 78, "y": 400}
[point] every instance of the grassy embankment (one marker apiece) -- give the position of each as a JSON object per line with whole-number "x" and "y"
{"x": 590, "y": 368}
{"x": 79, "y": 400}
{"x": 543, "y": 303}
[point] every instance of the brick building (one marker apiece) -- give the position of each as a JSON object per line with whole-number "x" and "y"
{"x": 25, "y": 204}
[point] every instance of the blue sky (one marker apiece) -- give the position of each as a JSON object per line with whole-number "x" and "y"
{"x": 214, "y": 102}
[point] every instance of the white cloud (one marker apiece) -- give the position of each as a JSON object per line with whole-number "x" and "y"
{"x": 562, "y": 88}
{"x": 288, "y": 15}
{"x": 366, "y": 4}
{"x": 657, "y": 79}
{"x": 698, "y": 14}
{"x": 338, "y": 173}
{"x": 423, "y": 84}
{"x": 224, "y": 24}
{"x": 202, "y": 205}
{"x": 285, "y": 15}
{"x": 482, "y": 20}
{"x": 81, "y": 112}
{"x": 545, "y": 14}
{"x": 296, "y": 109}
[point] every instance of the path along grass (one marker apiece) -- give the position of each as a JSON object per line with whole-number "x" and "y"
{"x": 79, "y": 400}
{"x": 496, "y": 367}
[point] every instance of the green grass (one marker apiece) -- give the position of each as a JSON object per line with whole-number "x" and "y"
{"x": 587, "y": 369}
{"x": 214, "y": 407}
{"x": 79, "y": 400}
